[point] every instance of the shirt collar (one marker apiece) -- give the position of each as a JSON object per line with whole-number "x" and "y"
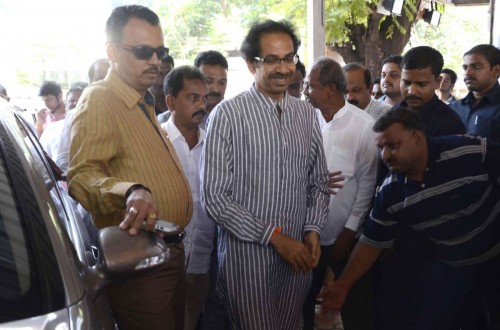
{"x": 173, "y": 132}
{"x": 433, "y": 103}
{"x": 268, "y": 102}
{"x": 130, "y": 96}
{"x": 493, "y": 96}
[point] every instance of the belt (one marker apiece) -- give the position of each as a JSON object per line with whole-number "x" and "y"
{"x": 174, "y": 239}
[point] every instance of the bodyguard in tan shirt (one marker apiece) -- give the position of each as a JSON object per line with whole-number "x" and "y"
{"x": 124, "y": 170}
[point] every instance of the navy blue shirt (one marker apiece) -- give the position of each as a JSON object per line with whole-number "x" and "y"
{"x": 456, "y": 206}
{"x": 483, "y": 119}
{"x": 438, "y": 118}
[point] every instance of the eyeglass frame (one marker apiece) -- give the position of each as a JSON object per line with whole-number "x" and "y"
{"x": 278, "y": 61}
{"x": 138, "y": 48}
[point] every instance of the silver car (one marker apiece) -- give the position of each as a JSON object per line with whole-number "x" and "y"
{"x": 54, "y": 266}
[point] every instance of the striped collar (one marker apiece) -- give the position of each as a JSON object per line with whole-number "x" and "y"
{"x": 129, "y": 95}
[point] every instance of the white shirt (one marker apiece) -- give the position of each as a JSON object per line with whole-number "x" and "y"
{"x": 51, "y": 138}
{"x": 350, "y": 147}
{"x": 198, "y": 243}
{"x": 62, "y": 157}
{"x": 377, "y": 108}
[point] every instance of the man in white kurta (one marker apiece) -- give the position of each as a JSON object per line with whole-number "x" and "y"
{"x": 350, "y": 147}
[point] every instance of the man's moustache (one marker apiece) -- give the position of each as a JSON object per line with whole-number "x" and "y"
{"x": 279, "y": 75}
{"x": 151, "y": 69}
{"x": 198, "y": 112}
{"x": 214, "y": 94}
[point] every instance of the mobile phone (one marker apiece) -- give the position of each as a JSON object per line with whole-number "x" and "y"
{"x": 164, "y": 226}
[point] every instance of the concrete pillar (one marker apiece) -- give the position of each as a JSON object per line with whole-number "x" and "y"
{"x": 495, "y": 23}
{"x": 315, "y": 30}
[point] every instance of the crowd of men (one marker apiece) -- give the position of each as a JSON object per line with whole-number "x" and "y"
{"x": 383, "y": 204}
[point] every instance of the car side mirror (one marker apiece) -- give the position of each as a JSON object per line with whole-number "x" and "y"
{"x": 121, "y": 254}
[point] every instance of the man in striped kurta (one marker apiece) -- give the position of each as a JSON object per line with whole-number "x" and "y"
{"x": 265, "y": 185}
{"x": 124, "y": 170}
{"x": 447, "y": 188}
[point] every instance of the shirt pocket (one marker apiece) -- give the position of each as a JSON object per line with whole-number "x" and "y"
{"x": 339, "y": 159}
{"x": 486, "y": 127}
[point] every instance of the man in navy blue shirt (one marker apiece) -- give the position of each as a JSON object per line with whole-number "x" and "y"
{"x": 448, "y": 189}
{"x": 403, "y": 268}
{"x": 480, "y": 109}
{"x": 421, "y": 69}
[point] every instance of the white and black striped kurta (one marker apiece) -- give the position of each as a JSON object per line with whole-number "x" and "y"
{"x": 259, "y": 172}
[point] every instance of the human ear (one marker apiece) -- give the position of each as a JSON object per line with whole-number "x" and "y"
{"x": 170, "y": 101}
{"x": 111, "y": 52}
{"x": 496, "y": 71}
{"x": 251, "y": 66}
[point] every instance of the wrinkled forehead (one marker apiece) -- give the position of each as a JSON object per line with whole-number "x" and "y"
{"x": 276, "y": 44}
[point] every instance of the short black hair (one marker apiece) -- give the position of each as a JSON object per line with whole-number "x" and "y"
{"x": 422, "y": 57}
{"x": 210, "y": 57}
{"x": 358, "y": 66}
{"x": 396, "y": 59}
{"x": 491, "y": 53}
{"x": 250, "y": 47}
{"x": 452, "y": 74}
{"x": 330, "y": 72}
{"x": 410, "y": 119}
{"x": 174, "y": 81}
{"x": 168, "y": 59}
{"x": 301, "y": 68}
{"x": 50, "y": 88}
{"x": 120, "y": 17}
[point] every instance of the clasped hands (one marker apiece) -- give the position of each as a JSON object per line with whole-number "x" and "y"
{"x": 303, "y": 257}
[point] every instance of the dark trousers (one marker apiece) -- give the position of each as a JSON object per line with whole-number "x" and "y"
{"x": 466, "y": 298}
{"x": 399, "y": 281}
{"x": 152, "y": 299}
{"x": 214, "y": 312}
{"x": 357, "y": 312}
{"x": 414, "y": 291}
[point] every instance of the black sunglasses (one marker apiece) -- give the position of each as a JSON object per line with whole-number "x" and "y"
{"x": 143, "y": 52}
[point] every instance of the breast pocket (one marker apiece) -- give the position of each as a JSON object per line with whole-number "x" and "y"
{"x": 339, "y": 159}
{"x": 486, "y": 127}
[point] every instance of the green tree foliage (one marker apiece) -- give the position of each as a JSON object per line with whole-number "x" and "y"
{"x": 354, "y": 28}
{"x": 454, "y": 22}
{"x": 188, "y": 25}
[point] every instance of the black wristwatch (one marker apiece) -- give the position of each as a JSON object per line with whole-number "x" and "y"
{"x": 134, "y": 188}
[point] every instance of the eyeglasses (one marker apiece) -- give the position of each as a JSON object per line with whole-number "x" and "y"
{"x": 291, "y": 59}
{"x": 143, "y": 52}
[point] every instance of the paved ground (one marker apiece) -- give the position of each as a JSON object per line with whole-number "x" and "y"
{"x": 327, "y": 323}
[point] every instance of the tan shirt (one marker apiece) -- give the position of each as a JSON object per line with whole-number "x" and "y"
{"x": 114, "y": 146}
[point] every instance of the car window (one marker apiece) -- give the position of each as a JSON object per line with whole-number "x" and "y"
{"x": 65, "y": 207}
{"x": 30, "y": 281}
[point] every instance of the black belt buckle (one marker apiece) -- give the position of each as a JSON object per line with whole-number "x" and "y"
{"x": 174, "y": 239}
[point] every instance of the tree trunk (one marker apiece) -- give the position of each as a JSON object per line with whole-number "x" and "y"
{"x": 370, "y": 45}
